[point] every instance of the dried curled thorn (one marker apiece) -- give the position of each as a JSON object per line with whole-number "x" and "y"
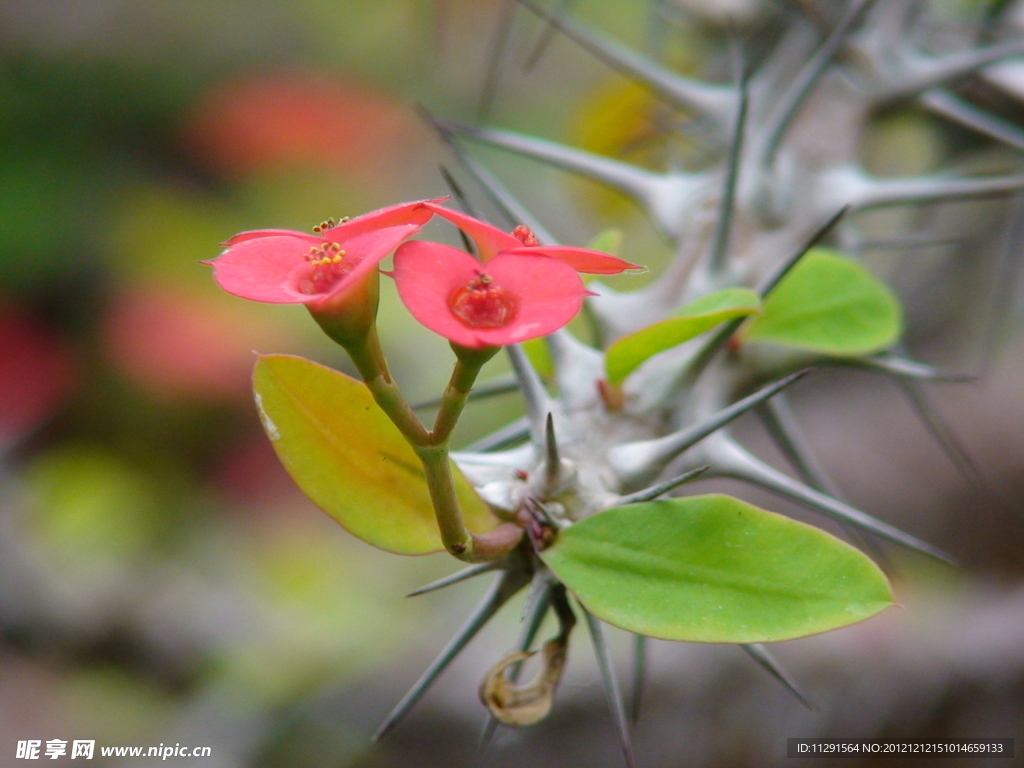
{"x": 514, "y": 704}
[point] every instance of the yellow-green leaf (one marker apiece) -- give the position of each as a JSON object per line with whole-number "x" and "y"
{"x": 346, "y": 455}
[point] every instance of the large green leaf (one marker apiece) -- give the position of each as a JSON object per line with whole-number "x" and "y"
{"x": 346, "y": 455}
{"x": 714, "y": 569}
{"x": 628, "y": 353}
{"x": 831, "y": 305}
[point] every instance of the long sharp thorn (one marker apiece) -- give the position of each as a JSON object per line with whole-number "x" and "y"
{"x": 538, "y": 402}
{"x": 781, "y": 424}
{"x": 534, "y": 610}
{"x": 552, "y": 461}
{"x": 611, "y": 686}
{"x": 723, "y": 228}
{"x": 548, "y": 34}
{"x": 661, "y": 194}
{"x": 783, "y": 427}
{"x": 499, "y": 42}
{"x": 941, "y": 431}
{"x": 649, "y": 494}
{"x": 770, "y": 664}
{"x": 803, "y": 84}
{"x": 730, "y": 460}
{"x": 944, "y": 103}
{"x": 502, "y": 438}
{"x": 635, "y": 462}
{"x": 711, "y": 101}
{"x": 489, "y": 389}
{"x": 638, "y": 183}
{"x": 455, "y": 578}
{"x": 783, "y": 269}
{"x": 955, "y": 66}
{"x": 881, "y": 193}
{"x": 639, "y": 677}
{"x": 503, "y": 588}
{"x": 904, "y": 368}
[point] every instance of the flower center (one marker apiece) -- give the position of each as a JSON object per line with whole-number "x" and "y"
{"x": 482, "y": 304}
{"x": 525, "y": 236}
{"x": 328, "y": 265}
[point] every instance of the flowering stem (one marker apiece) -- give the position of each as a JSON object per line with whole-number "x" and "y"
{"x": 470, "y": 547}
{"x": 464, "y": 374}
{"x": 432, "y": 447}
{"x": 457, "y": 540}
{"x": 369, "y": 358}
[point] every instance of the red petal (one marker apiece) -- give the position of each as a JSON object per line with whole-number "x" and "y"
{"x": 254, "y": 234}
{"x": 548, "y": 293}
{"x": 403, "y": 213}
{"x": 426, "y": 274}
{"x": 580, "y": 259}
{"x": 416, "y": 212}
{"x": 267, "y": 267}
{"x": 258, "y": 268}
{"x": 490, "y": 241}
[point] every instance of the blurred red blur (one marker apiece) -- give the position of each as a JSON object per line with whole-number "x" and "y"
{"x": 175, "y": 345}
{"x": 37, "y": 372}
{"x": 267, "y": 121}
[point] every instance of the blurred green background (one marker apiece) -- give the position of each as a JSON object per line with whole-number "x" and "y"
{"x": 161, "y": 580}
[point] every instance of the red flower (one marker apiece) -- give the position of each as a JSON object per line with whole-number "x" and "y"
{"x": 283, "y": 266}
{"x": 514, "y": 297}
{"x": 491, "y": 241}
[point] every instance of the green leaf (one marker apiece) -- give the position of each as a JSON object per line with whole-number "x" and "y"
{"x": 713, "y": 569}
{"x": 346, "y": 455}
{"x": 628, "y": 353}
{"x": 831, "y": 305}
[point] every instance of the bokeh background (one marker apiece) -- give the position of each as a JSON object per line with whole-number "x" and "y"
{"x": 162, "y": 581}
